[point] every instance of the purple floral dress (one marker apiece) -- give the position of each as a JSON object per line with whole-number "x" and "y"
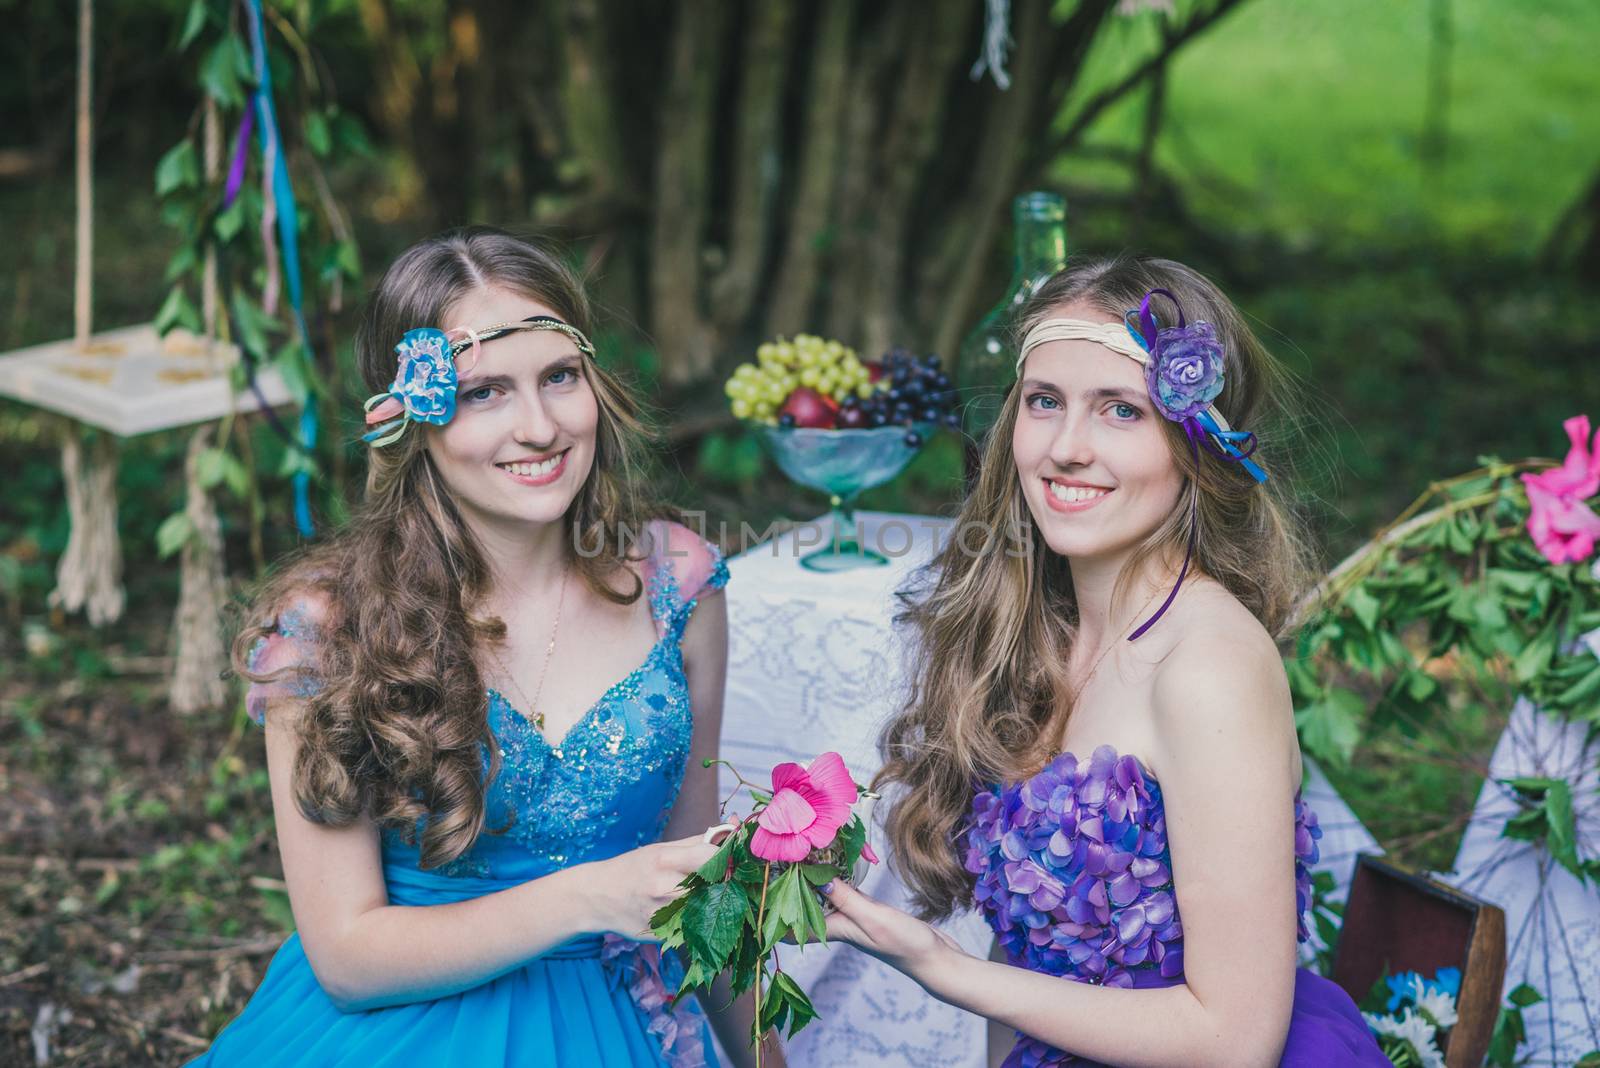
{"x": 1075, "y": 876}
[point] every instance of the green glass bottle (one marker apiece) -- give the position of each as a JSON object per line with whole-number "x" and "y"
{"x": 986, "y": 369}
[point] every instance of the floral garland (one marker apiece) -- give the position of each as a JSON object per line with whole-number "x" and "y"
{"x": 1486, "y": 580}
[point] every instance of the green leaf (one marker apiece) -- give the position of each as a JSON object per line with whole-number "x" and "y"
{"x": 318, "y": 138}
{"x": 817, "y": 874}
{"x": 852, "y": 836}
{"x": 695, "y": 975}
{"x": 173, "y": 534}
{"x": 253, "y": 326}
{"x": 669, "y": 917}
{"x": 713, "y": 921}
{"x": 715, "y": 870}
{"x": 801, "y": 1011}
{"x": 178, "y": 169}
{"x": 1562, "y": 841}
{"x": 1581, "y": 690}
{"x": 209, "y": 467}
{"x": 774, "y": 1010}
{"x": 224, "y": 70}
{"x": 1524, "y": 995}
{"x": 784, "y": 910}
{"x": 236, "y": 476}
{"x": 813, "y": 917}
{"x": 1588, "y": 1060}
{"x": 182, "y": 262}
{"x": 229, "y": 220}
{"x": 1363, "y": 606}
{"x": 193, "y": 23}
{"x": 176, "y": 311}
{"x": 1331, "y": 728}
{"x": 1535, "y": 656}
{"x": 349, "y": 260}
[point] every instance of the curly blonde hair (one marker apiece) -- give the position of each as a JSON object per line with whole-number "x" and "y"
{"x": 397, "y": 726}
{"x": 993, "y": 629}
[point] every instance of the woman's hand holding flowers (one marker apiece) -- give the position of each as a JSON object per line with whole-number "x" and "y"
{"x": 630, "y": 888}
{"x": 902, "y": 941}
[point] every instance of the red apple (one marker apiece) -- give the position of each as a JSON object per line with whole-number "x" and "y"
{"x": 875, "y": 370}
{"x": 809, "y": 408}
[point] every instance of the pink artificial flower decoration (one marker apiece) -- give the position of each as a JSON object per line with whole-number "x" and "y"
{"x": 808, "y": 807}
{"x": 1563, "y": 528}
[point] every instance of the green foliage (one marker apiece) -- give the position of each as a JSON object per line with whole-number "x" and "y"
{"x": 1436, "y": 627}
{"x": 736, "y": 908}
{"x": 1509, "y": 1029}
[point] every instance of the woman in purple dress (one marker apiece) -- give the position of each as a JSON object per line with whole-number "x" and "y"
{"x": 1098, "y": 748}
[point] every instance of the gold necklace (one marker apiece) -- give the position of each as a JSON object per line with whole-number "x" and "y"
{"x": 534, "y": 715}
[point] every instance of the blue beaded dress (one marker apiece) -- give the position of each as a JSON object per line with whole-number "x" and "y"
{"x": 604, "y": 788}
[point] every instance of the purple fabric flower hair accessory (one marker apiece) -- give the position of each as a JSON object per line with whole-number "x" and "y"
{"x": 1185, "y": 370}
{"x": 1184, "y": 374}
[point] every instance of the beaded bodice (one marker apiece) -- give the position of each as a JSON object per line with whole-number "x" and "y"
{"x": 609, "y": 783}
{"x": 1075, "y": 875}
{"x": 605, "y": 787}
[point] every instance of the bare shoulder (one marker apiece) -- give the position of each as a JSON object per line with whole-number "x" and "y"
{"x": 1221, "y": 683}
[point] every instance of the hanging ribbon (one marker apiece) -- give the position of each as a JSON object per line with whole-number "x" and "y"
{"x": 282, "y": 193}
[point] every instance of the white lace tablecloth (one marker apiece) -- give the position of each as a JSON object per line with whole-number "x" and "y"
{"x": 813, "y": 666}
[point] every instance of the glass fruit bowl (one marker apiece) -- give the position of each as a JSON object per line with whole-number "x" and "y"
{"x": 842, "y": 463}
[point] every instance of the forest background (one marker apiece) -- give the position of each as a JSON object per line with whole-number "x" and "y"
{"x": 1403, "y": 196}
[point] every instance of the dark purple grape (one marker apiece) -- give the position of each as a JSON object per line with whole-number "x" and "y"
{"x": 786, "y": 420}
{"x": 913, "y": 440}
{"x": 930, "y": 415}
{"x": 879, "y": 418}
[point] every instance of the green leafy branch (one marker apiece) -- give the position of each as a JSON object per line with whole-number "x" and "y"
{"x": 1452, "y": 592}
{"x": 222, "y": 245}
{"x": 735, "y": 910}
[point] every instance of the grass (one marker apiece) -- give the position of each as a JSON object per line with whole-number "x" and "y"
{"x": 1305, "y": 120}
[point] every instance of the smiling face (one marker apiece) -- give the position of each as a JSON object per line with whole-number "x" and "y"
{"x": 1090, "y": 450}
{"x": 522, "y": 440}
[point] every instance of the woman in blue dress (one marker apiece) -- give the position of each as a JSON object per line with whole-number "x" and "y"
{"x": 487, "y": 701}
{"x": 1099, "y": 750}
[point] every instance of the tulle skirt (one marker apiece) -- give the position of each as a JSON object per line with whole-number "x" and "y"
{"x": 589, "y": 1002}
{"x": 1325, "y": 1031}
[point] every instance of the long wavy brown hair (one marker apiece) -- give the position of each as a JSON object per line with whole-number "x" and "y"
{"x": 993, "y": 617}
{"x": 397, "y": 726}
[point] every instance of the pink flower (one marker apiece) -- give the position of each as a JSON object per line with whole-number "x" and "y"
{"x": 807, "y": 809}
{"x": 1562, "y": 526}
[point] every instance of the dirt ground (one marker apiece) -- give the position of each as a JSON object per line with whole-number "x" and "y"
{"x": 140, "y": 894}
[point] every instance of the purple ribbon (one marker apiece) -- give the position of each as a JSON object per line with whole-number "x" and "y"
{"x": 1147, "y": 319}
{"x": 241, "y": 146}
{"x": 236, "y": 170}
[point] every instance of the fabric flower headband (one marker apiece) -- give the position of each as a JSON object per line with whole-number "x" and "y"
{"x": 1183, "y": 371}
{"x": 424, "y": 389}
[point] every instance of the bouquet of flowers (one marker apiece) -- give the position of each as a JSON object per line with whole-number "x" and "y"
{"x": 1415, "y": 1024}
{"x": 758, "y": 890}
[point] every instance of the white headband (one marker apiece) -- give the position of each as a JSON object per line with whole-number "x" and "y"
{"x": 1115, "y": 336}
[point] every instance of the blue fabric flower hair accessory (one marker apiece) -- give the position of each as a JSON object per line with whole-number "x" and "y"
{"x": 424, "y": 388}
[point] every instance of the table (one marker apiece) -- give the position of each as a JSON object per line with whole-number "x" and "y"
{"x": 814, "y": 666}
